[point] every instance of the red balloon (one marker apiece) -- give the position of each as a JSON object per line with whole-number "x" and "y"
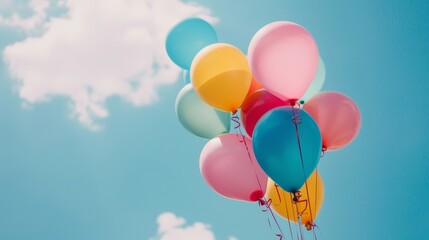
{"x": 256, "y": 105}
{"x": 337, "y": 116}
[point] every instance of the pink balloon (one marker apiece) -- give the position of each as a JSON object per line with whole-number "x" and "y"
{"x": 337, "y": 116}
{"x": 226, "y": 167}
{"x": 284, "y": 58}
{"x": 256, "y": 105}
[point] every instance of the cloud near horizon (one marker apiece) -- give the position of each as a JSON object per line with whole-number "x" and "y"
{"x": 95, "y": 51}
{"x": 172, "y": 227}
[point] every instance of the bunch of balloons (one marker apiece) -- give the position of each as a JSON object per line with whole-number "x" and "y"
{"x": 276, "y": 162}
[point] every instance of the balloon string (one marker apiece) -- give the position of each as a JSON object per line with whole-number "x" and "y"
{"x": 320, "y": 231}
{"x": 294, "y": 217}
{"x": 236, "y": 120}
{"x": 314, "y": 224}
{"x": 297, "y": 226}
{"x": 315, "y": 204}
{"x": 297, "y": 120}
{"x": 267, "y": 204}
{"x": 241, "y": 136}
{"x": 299, "y": 222}
{"x": 287, "y": 210}
{"x": 300, "y": 213}
{"x": 277, "y": 234}
{"x": 262, "y": 200}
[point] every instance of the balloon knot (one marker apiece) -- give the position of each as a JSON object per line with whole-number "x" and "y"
{"x": 256, "y": 195}
{"x": 296, "y": 196}
{"x": 309, "y": 226}
{"x": 323, "y": 151}
{"x": 263, "y": 202}
{"x": 296, "y": 119}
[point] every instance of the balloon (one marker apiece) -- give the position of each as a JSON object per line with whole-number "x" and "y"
{"x": 221, "y": 76}
{"x": 254, "y": 86}
{"x": 308, "y": 208}
{"x": 187, "y": 38}
{"x": 257, "y": 105}
{"x": 284, "y": 57}
{"x": 276, "y": 146}
{"x": 337, "y": 116}
{"x": 316, "y": 84}
{"x": 227, "y": 168}
{"x": 186, "y": 77}
{"x": 198, "y": 117}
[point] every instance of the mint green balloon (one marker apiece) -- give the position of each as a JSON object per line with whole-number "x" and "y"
{"x": 198, "y": 117}
{"x": 317, "y": 82}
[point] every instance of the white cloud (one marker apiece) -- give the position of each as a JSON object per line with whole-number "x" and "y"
{"x": 232, "y": 238}
{"x": 171, "y": 227}
{"x": 98, "y": 50}
{"x": 38, "y": 7}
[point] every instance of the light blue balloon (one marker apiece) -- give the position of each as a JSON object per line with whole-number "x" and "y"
{"x": 316, "y": 84}
{"x": 186, "y": 76}
{"x": 198, "y": 117}
{"x": 187, "y": 38}
{"x": 276, "y": 148}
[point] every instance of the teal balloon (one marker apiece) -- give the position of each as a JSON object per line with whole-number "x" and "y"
{"x": 186, "y": 76}
{"x": 187, "y": 38}
{"x": 316, "y": 84}
{"x": 276, "y": 148}
{"x": 198, "y": 117}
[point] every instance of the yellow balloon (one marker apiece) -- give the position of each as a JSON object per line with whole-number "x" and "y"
{"x": 221, "y": 76}
{"x": 283, "y": 204}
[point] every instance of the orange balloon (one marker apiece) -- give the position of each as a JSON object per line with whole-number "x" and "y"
{"x": 306, "y": 208}
{"x": 254, "y": 86}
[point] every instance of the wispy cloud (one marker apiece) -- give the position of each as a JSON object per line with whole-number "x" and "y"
{"x": 99, "y": 49}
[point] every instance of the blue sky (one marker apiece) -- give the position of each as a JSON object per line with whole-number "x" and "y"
{"x": 105, "y": 163}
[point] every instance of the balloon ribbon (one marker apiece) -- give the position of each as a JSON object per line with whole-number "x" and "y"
{"x": 296, "y": 121}
{"x": 262, "y": 201}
